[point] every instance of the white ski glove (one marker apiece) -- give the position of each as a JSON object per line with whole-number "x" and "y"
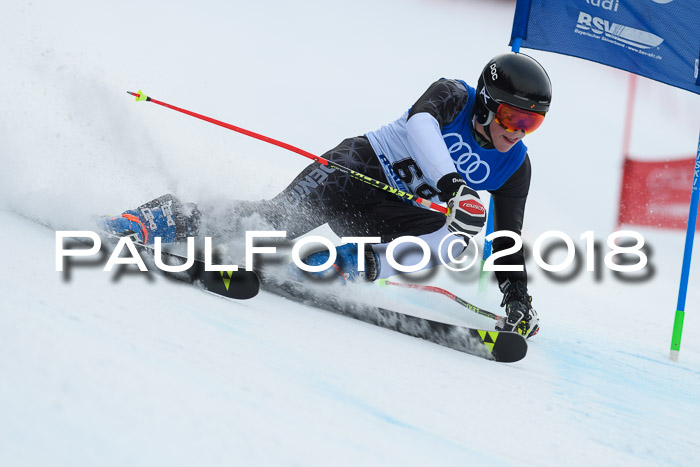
{"x": 467, "y": 214}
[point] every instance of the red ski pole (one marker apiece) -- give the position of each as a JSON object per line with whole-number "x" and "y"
{"x": 140, "y": 96}
{"x": 446, "y": 293}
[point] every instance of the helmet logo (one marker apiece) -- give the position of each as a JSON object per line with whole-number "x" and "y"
{"x": 485, "y": 94}
{"x": 494, "y": 72}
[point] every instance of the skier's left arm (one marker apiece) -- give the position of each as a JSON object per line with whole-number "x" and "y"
{"x": 508, "y": 214}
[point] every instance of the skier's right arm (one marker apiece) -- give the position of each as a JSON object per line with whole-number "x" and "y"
{"x": 438, "y": 106}
{"x": 443, "y": 100}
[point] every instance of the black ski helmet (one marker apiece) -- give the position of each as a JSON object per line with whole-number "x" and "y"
{"x": 515, "y": 79}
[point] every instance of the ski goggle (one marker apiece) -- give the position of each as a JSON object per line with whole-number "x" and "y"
{"x": 512, "y": 119}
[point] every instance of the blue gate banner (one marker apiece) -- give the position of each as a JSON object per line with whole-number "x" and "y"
{"x": 658, "y": 39}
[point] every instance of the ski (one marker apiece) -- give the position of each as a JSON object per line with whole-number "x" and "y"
{"x": 500, "y": 346}
{"x": 493, "y": 345}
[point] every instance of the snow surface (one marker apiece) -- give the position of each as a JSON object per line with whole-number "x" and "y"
{"x": 130, "y": 369}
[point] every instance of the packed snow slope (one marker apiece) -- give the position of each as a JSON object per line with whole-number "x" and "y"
{"x": 131, "y": 369}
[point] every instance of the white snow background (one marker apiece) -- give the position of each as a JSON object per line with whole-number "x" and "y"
{"x": 135, "y": 370}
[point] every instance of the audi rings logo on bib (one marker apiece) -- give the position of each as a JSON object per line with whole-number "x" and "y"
{"x": 469, "y": 163}
{"x": 472, "y": 207}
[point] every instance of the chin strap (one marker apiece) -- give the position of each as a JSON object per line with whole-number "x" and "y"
{"x": 484, "y": 142}
{"x": 487, "y": 130}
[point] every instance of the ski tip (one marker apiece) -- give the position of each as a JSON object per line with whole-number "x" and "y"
{"x": 383, "y": 282}
{"x": 509, "y": 347}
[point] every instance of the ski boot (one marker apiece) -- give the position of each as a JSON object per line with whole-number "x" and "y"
{"x": 520, "y": 316}
{"x": 345, "y": 268}
{"x": 164, "y": 217}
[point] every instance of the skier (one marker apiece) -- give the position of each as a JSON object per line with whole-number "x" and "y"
{"x": 453, "y": 141}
